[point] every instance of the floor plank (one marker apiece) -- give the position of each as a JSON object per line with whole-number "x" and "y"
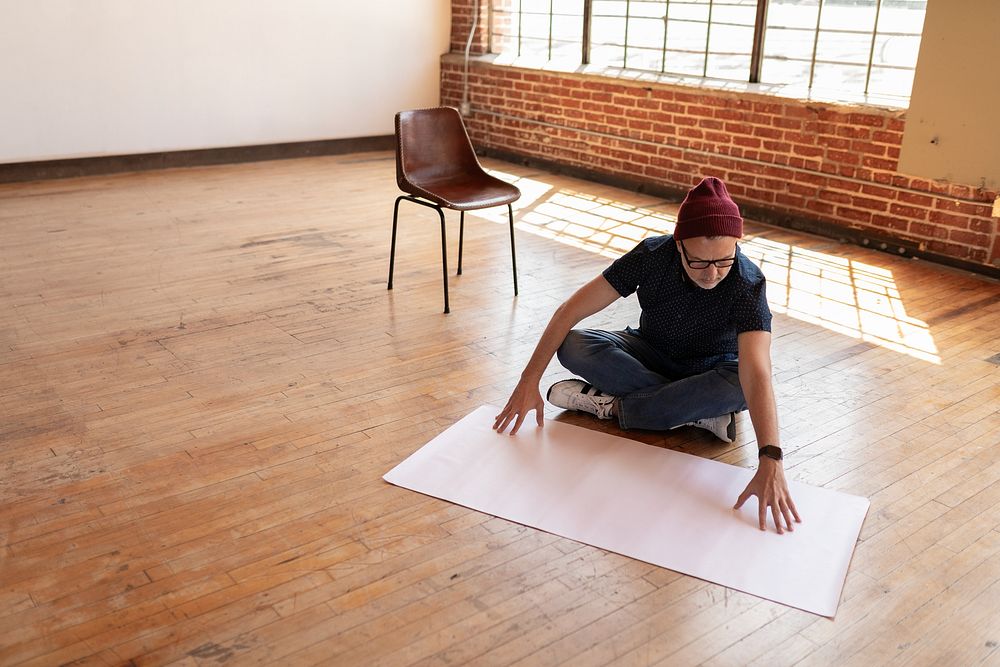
{"x": 203, "y": 379}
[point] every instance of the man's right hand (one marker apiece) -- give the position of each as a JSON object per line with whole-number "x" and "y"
{"x": 523, "y": 400}
{"x": 589, "y": 299}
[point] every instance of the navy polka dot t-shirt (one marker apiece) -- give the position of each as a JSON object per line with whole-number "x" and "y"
{"x": 693, "y": 326}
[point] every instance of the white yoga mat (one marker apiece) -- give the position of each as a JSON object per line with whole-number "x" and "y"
{"x": 656, "y": 505}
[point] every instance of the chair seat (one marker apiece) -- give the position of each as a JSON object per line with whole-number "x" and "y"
{"x": 465, "y": 193}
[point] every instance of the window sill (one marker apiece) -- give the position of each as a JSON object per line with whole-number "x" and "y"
{"x": 785, "y": 91}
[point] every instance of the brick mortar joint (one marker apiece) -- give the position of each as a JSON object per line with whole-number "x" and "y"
{"x": 743, "y": 160}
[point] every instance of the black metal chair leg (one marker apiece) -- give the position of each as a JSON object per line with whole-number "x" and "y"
{"x": 444, "y": 243}
{"x": 444, "y": 260}
{"x": 513, "y": 255}
{"x": 392, "y": 246}
{"x": 461, "y": 237}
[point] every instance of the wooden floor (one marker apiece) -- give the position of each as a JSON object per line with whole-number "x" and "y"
{"x": 203, "y": 379}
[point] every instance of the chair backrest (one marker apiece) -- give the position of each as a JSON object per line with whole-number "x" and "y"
{"x": 431, "y": 145}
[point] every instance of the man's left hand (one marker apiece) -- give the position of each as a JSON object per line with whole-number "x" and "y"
{"x": 771, "y": 489}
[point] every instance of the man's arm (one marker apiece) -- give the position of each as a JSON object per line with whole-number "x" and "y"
{"x": 593, "y": 297}
{"x": 768, "y": 484}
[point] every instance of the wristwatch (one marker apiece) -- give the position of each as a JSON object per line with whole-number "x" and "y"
{"x": 771, "y": 452}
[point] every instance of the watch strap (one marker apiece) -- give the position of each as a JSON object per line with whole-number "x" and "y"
{"x": 771, "y": 452}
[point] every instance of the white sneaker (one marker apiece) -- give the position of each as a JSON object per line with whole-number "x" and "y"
{"x": 578, "y": 395}
{"x": 724, "y": 427}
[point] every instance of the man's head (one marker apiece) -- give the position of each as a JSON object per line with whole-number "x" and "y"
{"x": 708, "y": 225}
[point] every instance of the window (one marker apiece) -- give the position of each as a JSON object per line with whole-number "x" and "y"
{"x": 866, "y": 46}
{"x": 844, "y": 46}
{"x": 546, "y": 30}
{"x": 691, "y": 37}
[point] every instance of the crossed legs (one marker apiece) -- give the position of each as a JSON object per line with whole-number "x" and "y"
{"x": 653, "y": 391}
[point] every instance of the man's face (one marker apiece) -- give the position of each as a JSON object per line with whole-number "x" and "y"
{"x": 703, "y": 248}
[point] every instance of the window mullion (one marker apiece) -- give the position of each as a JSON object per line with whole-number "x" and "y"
{"x": 520, "y": 13}
{"x": 708, "y": 36}
{"x": 757, "y": 53}
{"x": 871, "y": 51}
{"x": 551, "y": 21}
{"x": 812, "y": 62}
{"x": 628, "y": 9}
{"x": 666, "y": 21}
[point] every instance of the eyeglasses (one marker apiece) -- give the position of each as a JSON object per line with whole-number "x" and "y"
{"x": 723, "y": 263}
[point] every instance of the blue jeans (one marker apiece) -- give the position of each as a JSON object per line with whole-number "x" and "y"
{"x": 655, "y": 392}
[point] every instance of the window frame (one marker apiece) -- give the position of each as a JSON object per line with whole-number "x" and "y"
{"x": 757, "y": 55}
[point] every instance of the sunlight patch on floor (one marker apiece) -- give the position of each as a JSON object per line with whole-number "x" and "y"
{"x": 840, "y": 294}
{"x": 844, "y": 295}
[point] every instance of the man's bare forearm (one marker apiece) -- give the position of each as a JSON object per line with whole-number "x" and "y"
{"x": 759, "y": 394}
{"x": 758, "y": 390}
{"x": 589, "y": 299}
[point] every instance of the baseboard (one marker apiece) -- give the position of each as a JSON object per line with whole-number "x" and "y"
{"x": 16, "y": 172}
{"x": 862, "y": 237}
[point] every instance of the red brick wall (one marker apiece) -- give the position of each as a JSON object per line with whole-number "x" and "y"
{"x": 830, "y": 163}
{"x": 461, "y": 24}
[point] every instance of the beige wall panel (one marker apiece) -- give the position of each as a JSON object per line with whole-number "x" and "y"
{"x": 952, "y": 129}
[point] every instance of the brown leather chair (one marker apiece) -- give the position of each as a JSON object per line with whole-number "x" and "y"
{"x": 437, "y": 166}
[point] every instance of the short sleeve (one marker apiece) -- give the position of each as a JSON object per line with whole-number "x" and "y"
{"x": 751, "y": 312}
{"x": 626, "y": 272}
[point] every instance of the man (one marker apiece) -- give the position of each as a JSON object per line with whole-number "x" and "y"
{"x": 701, "y": 354}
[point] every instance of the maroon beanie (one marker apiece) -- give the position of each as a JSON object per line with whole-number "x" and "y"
{"x": 708, "y": 210}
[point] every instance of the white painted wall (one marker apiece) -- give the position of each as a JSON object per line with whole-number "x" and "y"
{"x": 82, "y": 78}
